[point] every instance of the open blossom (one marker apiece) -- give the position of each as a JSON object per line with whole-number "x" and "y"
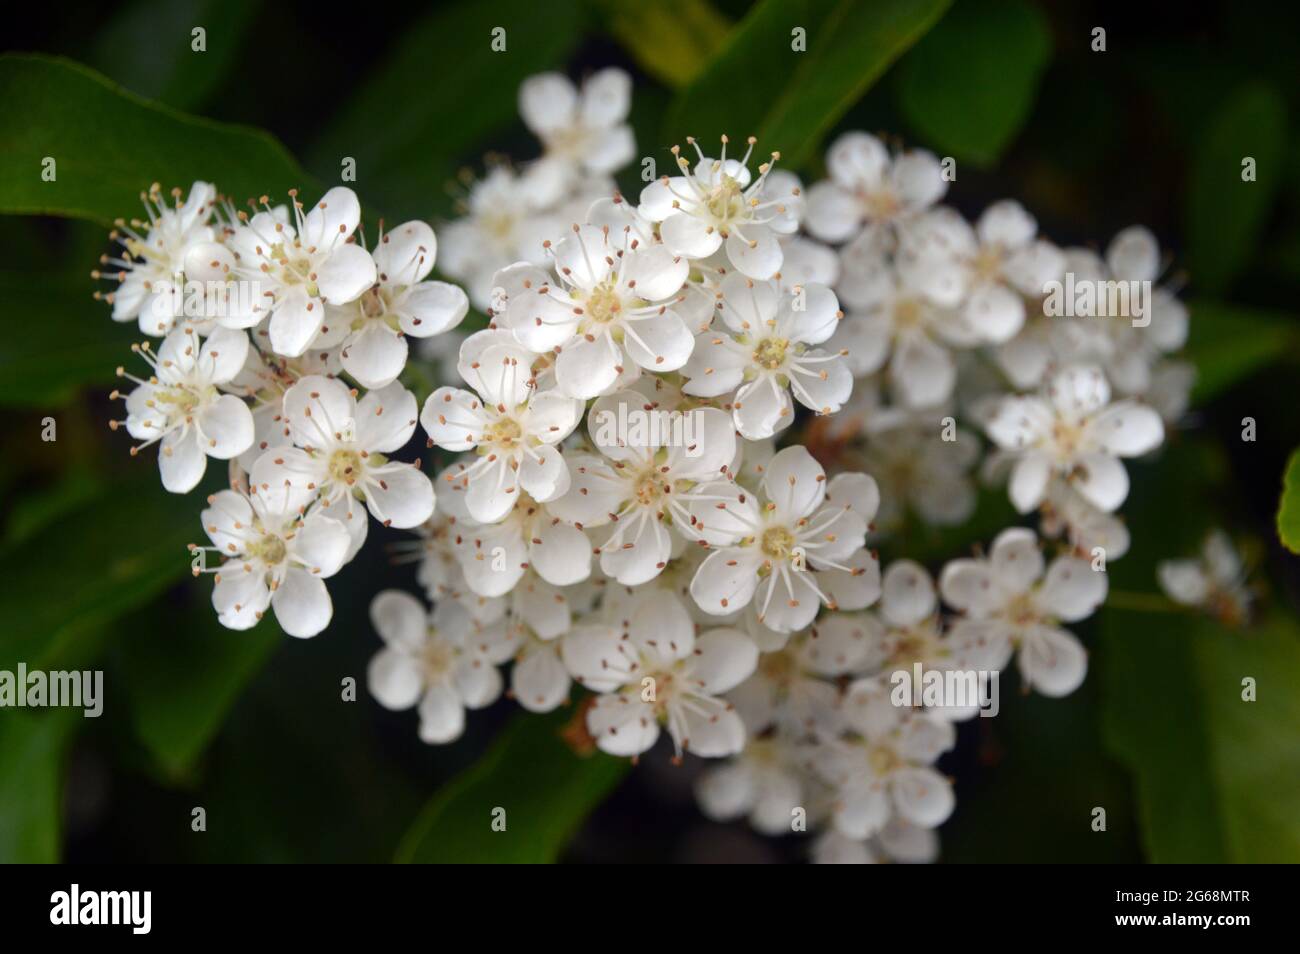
{"x": 640, "y": 483}
{"x": 899, "y": 840}
{"x": 884, "y": 769}
{"x": 764, "y": 783}
{"x": 341, "y": 453}
{"x": 1215, "y": 582}
{"x": 513, "y": 428}
{"x": 540, "y": 614}
{"x": 720, "y": 205}
{"x": 870, "y": 190}
{"x": 400, "y": 303}
{"x": 301, "y": 266}
{"x": 1010, "y": 604}
{"x": 651, "y": 669}
{"x": 155, "y": 253}
{"x": 277, "y": 553}
{"x": 610, "y": 303}
{"x": 765, "y": 353}
{"x": 584, "y": 131}
{"x": 786, "y": 553}
{"x": 1073, "y": 430}
{"x": 442, "y": 660}
{"x": 180, "y": 404}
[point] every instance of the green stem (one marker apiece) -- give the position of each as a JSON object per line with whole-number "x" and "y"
{"x": 1142, "y": 602}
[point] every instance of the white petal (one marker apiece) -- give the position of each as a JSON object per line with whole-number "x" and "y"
{"x": 406, "y": 254}
{"x": 375, "y": 355}
{"x": 393, "y": 679}
{"x": 907, "y": 594}
{"x": 795, "y": 482}
{"x": 386, "y": 419}
{"x": 403, "y": 497}
{"x": 1052, "y": 661}
{"x": 225, "y": 427}
{"x": 302, "y": 604}
{"x": 724, "y": 658}
{"x": 347, "y": 273}
{"x": 181, "y": 460}
{"x": 1072, "y": 589}
{"x": 442, "y": 715}
{"x": 544, "y": 474}
{"x": 539, "y": 681}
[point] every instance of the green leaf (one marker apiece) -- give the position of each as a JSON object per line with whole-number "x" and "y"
{"x": 148, "y": 47}
{"x": 1215, "y": 774}
{"x": 1226, "y": 215}
{"x": 1229, "y": 342}
{"x": 758, "y": 85}
{"x": 545, "y": 789}
{"x": 1288, "y": 511}
{"x": 33, "y": 750}
{"x": 109, "y": 145}
{"x": 180, "y": 684}
{"x": 78, "y": 345}
{"x": 671, "y": 40}
{"x": 441, "y": 91}
{"x": 40, "y": 507}
{"x": 968, "y": 86}
{"x": 98, "y": 562}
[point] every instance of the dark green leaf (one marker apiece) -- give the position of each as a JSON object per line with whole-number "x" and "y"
{"x": 545, "y": 789}
{"x": 109, "y": 145}
{"x": 1288, "y": 511}
{"x": 968, "y": 86}
{"x": 759, "y": 85}
{"x": 1225, "y": 213}
{"x": 1228, "y": 342}
{"x": 33, "y": 748}
{"x": 671, "y": 40}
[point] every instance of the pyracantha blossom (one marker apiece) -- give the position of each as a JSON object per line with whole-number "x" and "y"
{"x": 275, "y": 555}
{"x": 181, "y": 406}
{"x": 719, "y": 205}
{"x": 1072, "y": 430}
{"x": 765, "y": 353}
{"x": 301, "y": 266}
{"x": 584, "y": 132}
{"x": 898, "y": 841}
{"x": 150, "y": 263}
{"x": 400, "y": 303}
{"x": 642, "y": 482}
{"x": 917, "y": 467}
{"x": 441, "y": 660}
{"x": 785, "y": 553}
{"x": 884, "y": 769}
{"x": 341, "y": 453}
{"x": 539, "y": 616}
{"x": 1215, "y": 583}
{"x": 763, "y": 783}
{"x": 651, "y": 669}
{"x": 872, "y": 191}
{"x": 1010, "y": 604}
{"x": 610, "y": 305}
{"x": 513, "y": 427}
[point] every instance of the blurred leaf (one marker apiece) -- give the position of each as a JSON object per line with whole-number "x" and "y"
{"x": 42, "y": 506}
{"x": 441, "y": 91}
{"x": 969, "y": 85}
{"x": 545, "y": 789}
{"x": 33, "y": 748}
{"x": 148, "y": 47}
{"x": 181, "y": 682}
{"x": 1215, "y": 774}
{"x": 794, "y": 97}
{"x": 109, "y": 145}
{"x": 94, "y": 564}
{"x": 1225, "y": 215}
{"x": 1288, "y": 512}
{"x": 78, "y": 344}
{"x": 1228, "y": 342}
{"x": 671, "y": 40}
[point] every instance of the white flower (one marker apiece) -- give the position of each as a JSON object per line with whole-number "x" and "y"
{"x": 274, "y": 556}
{"x": 915, "y": 467}
{"x": 1073, "y": 430}
{"x": 341, "y": 453}
{"x": 400, "y": 303}
{"x": 898, "y": 840}
{"x": 986, "y": 269}
{"x": 583, "y": 131}
{"x": 763, "y": 783}
{"x": 513, "y": 428}
{"x": 720, "y": 202}
{"x": 640, "y": 483}
{"x": 540, "y": 615}
{"x": 301, "y": 266}
{"x": 612, "y": 301}
{"x": 883, "y": 770}
{"x": 869, "y": 188}
{"x": 1067, "y": 514}
{"x": 439, "y": 659}
{"x": 765, "y": 354}
{"x": 181, "y": 406}
{"x": 652, "y": 669}
{"x": 1216, "y": 582}
{"x": 151, "y": 262}
{"x": 1010, "y": 604}
{"x": 807, "y": 540}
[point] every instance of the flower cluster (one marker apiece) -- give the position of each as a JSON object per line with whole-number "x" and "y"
{"x": 668, "y": 458}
